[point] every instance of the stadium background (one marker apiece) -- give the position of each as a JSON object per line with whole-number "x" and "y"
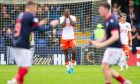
{"x": 47, "y": 45}
{"x": 48, "y": 49}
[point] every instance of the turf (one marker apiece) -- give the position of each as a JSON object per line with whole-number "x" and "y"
{"x": 57, "y": 75}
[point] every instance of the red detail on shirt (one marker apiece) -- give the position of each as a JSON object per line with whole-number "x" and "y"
{"x": 18, "y": 20}
{"x": 35, "y": 24}
{"x": 114, "y": 29}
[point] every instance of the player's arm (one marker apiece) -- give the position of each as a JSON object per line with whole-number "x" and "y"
{"x": 63, "y": 22}
{"x": 41, "y": 29}
{"x": 130, "y": 36}
{"x": 72, "y": 21}
{"x": 37, "y": 25}
{"x": 114, "y": 37}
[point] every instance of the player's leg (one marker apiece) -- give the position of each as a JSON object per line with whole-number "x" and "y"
{"x": 73, "y": 46}
{"x": 121, "y": 65}
{"x": 73, "y": 61}
{"x": 65, "y": 46}
{"x": 126, "y": 53}
{"x": 121, "y": 61}
{"x": 119, "y": 78}
{"x": 66, "y": 58}
{"x": 19, "y": 78}
{"x": 117, "y": 54}
{"x": 106, "y": 65}
{"x": 106, "y": 72}
{"x": 22, "y": 71}
{"x": 23, "y": 58}
{"x": 125, "y": 63}
{"x": 126, "y": 50}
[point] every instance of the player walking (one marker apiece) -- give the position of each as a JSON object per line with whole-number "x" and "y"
{"x": 112, "y": 41}
{"x": 68, "y": 23}
{"x": 25, "y": 24}
{"x": 125, "y": 34}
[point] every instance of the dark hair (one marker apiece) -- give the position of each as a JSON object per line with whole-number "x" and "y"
{"x": 105, "y": 5}
{"x": 30, "y": 3}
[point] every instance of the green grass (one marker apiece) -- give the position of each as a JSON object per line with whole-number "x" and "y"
{"x": 57, "y": 75}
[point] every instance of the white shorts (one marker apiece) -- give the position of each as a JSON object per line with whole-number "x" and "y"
{"x": 112, "y": 55}
{"x": 23, "y": 57}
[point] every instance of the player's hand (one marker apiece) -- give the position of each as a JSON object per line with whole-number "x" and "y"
{"x": 54, "y": 23}
{"x": 98, "y": 44}
{"x": 8, "y": 31}
{"x": 67, "y": 13}
{"x": 42, "y": 22}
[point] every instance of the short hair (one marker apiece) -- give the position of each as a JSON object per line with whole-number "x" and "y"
{"x": 105, "y": 5}
{"x": 30, "y": 3}
{"x": 123, "y": 14}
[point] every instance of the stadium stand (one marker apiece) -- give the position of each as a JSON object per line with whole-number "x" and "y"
{"x": 87, "y": 19}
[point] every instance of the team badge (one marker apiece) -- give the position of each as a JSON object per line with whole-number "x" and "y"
{"x": 111, "y": 20}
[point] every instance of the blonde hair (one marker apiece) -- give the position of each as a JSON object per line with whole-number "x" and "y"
{"x": 123, "y": 15}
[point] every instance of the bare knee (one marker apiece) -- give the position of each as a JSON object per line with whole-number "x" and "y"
{"x": 105, "y": 67}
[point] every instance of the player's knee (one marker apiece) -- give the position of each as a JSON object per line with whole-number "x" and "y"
{"x": 105, "y": 67}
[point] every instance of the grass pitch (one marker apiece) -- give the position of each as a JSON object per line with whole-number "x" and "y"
{"x": 84, "y": 74}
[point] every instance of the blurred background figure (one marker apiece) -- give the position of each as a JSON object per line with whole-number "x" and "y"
{"x": 134, "y": 38}
{"x": 116, "y": 10}
{"x": 54, "y": 38}
{"x": 132, "y": 13}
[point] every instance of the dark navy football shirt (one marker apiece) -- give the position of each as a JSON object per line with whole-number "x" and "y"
{"x": 25, "y": 24}
{"x": 112, "y": 24}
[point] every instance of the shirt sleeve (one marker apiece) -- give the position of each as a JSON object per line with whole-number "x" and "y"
{"x": 114, "y": 25}
{"x": 37, "y": 27}
{"x": 35, "y": 22}
{"x": 42, "y": 29}
{"x": 61, "y": 20}
{"x": 73, "y": 19}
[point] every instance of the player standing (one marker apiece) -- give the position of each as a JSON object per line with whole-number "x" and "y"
{"x": 112, "y": 42}
{"x": 68, "y": 23}
{"x": 126, "y": 39}
{"x": 25, "y": 24}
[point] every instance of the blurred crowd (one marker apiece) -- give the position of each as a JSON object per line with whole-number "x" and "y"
{"x": 86, "y": 17}
{"x": 8, "y": 15}
{"x": 132, "y": 9}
